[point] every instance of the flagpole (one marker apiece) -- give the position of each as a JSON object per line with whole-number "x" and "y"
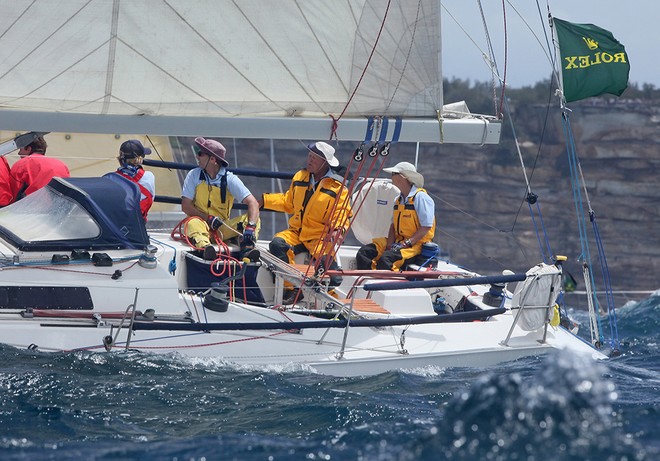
{"x": 556, "y": 69}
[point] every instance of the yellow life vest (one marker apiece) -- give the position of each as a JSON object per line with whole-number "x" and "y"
{"x": 406, "y": 221}
{"x": 213, "y": 200}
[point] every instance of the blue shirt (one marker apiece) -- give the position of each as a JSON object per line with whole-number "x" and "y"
{"x": 234, "y": 184}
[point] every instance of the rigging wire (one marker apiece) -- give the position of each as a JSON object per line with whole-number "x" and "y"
{"x": 596, "y": 327}
{"x": 530, "y": 197}
{"x": 614, "y": 336}
{"x": 552, "y": 59}
{"x": 461, "y": 240}
{"x": 335, "y": 121}
{"x": 506, "y": 55}
{"x": 577, "y": 179}
{"x": 490, "y": 59}
{"x": 469, "y": 37}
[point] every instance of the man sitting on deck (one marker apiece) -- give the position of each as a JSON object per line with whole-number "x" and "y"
{"x": 318, "y": 203}
{"x": 413, "y": 224}
{"x": 208, "y": 197}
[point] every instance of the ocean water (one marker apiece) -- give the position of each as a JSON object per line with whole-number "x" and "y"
{"x": 126, "y": 406}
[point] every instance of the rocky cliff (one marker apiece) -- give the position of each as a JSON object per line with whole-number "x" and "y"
{"x": 618, "y": 147}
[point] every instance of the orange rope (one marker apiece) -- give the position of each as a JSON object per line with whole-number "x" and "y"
{"x": 179, "y": 233}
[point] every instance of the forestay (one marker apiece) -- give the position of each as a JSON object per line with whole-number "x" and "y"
{"x": 225, "y": 68}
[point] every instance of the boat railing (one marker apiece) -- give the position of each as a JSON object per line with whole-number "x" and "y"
{"x": 450, "y": 282}
{"x": 531, "y": 300}
{"x": 129, "y": 314}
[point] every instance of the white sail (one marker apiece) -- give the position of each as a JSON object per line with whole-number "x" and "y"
{"x": 218, "y": 66}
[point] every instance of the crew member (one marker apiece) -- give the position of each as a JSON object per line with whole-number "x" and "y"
{"x": 131, "y": 156}
{"x": 208, "y": 197}
{"x": 413, "y": 224}
{"x": 34, "y": 170}
{"x": 317, "y": 200}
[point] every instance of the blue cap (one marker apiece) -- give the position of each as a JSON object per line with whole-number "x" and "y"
{"x": 133, "y": 148}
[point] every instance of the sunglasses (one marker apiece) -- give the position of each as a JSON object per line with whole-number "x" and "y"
{"x": 199, "y": 152}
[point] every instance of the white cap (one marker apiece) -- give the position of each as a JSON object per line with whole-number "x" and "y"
{"x": 408, "y": 171}
{"x": 325, "y": 150}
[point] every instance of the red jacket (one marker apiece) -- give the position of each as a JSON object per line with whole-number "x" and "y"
{"x": 148, "y": 200}
{"x": 34, "y": 172}
{"x": 6, "y": 194}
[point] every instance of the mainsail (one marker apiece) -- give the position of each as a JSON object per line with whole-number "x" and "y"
{"x": 225, "y": 68}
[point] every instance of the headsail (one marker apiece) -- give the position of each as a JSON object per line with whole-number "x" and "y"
{"x": 204, "y": 67}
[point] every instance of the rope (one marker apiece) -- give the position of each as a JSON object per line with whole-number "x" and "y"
{"x": 579, "y": 210}
{"x": 223, "y": 255}
{"x": 546, "y": 257}
{"x": 191, "y": 346}
{"x": 172, "y": 264}
{"x": 614, "y": 335}
{"x": 364, "y": 71}
{"x": 357, "y": 155}
{"x": 614, "y": 332}
{"x": 329, "y": 239}
{"x": 180, "y": 233}
{"x": 529, "y": 196}
{"x": 61, "y": 268}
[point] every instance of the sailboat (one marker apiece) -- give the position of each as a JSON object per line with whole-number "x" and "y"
{"x": 79, "y": 269}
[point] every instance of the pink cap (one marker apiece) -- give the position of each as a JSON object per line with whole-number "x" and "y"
{"x": 214, "y": 148}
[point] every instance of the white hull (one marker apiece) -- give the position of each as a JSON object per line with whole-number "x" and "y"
{"x": 364, "y": 350}
{"x": 367, "y": 352}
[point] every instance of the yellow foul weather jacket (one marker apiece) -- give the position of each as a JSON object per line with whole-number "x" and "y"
{"x": 311, "y": 207}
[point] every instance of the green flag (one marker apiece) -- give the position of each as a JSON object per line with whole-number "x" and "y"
{"x": 593, "y": 62}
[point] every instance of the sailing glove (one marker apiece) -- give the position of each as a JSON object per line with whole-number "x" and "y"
{"x": 214, "y": 222}
{"x": 396, "y": 246}
{"x": 248, "y": 235}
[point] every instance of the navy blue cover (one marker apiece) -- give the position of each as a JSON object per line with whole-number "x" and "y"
{"x": 112, "y": 200}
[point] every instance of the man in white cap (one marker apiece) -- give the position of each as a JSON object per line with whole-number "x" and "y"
{"x": 208, "y": 196}
{"x": 317, "y": 200}
{"x": 413, "y": 224}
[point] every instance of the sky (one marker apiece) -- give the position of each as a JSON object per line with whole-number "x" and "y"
{"x": 634, "y": 23}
